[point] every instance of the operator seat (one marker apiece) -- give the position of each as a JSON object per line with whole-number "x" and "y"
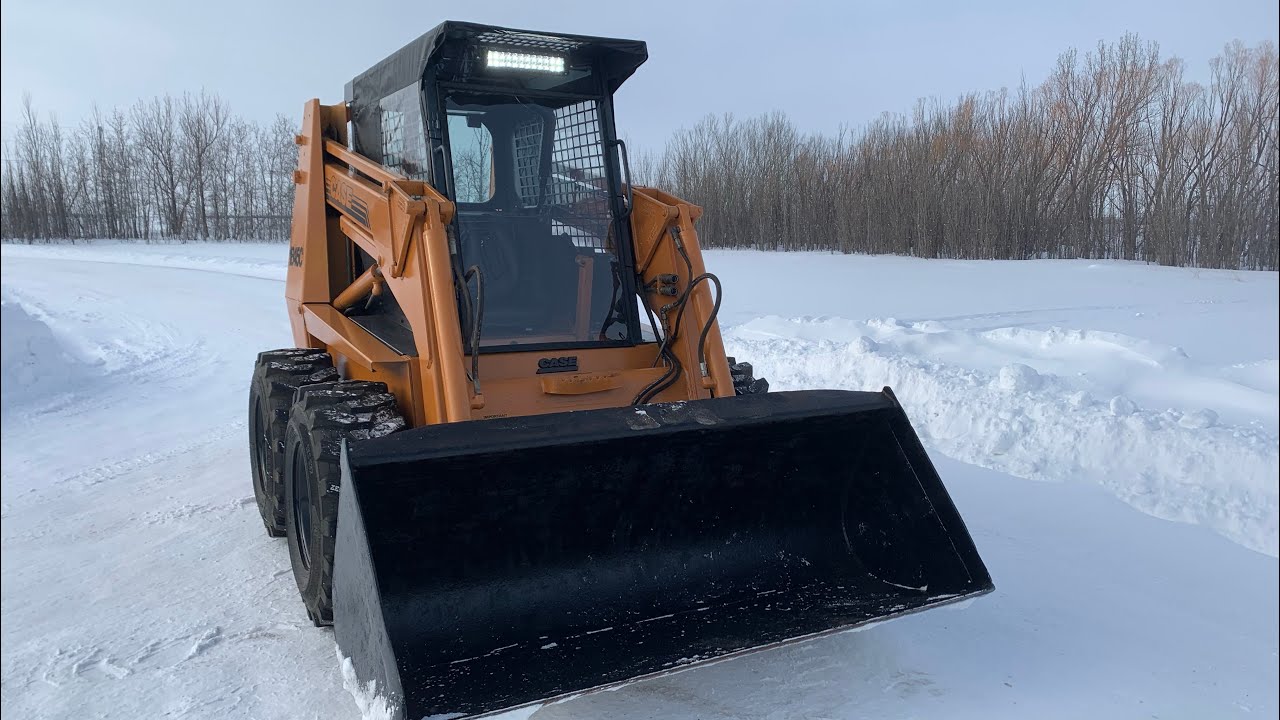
{"x": 530, "y": 279}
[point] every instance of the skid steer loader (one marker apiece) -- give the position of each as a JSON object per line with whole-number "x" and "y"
{"x": 509, "y": 454}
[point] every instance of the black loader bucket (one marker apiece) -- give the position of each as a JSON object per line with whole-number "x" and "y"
{"x": 489, "y": 564}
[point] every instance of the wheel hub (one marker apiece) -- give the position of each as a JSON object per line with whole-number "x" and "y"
{"x": 301, "y": 506}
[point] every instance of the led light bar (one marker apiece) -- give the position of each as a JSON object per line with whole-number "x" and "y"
{"x": 525, "y": 61}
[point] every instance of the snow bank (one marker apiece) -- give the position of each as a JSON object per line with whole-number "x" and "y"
{"x": 1049, "y": 416}
{"x": 33, "y": 362}
{"x": 265, "y": 261}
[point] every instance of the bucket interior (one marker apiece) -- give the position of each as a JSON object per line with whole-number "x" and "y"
{"x": 520, "y": 559}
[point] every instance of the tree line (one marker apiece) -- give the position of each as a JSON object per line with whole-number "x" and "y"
{"x": 1115, "y": 155}
{"x": 165, "y": 168}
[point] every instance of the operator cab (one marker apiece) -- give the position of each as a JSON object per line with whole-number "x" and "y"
{"x": 517, "y": 129}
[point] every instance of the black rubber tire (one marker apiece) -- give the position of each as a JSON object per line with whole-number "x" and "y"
{"x": 276, "y": 375}
{"x": 745, "y": 381}
{"x": 323, "y": 415}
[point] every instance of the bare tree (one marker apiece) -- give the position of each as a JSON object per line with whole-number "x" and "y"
{"x": 155, "y": 125}
{"x": 1114, "y": 155}
{"x": 202, "y": 120}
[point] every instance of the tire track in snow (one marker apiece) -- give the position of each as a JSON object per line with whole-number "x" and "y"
{"x": 138, "y": 582}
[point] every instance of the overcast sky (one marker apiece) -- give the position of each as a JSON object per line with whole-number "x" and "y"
{"x": 824, "y": 64}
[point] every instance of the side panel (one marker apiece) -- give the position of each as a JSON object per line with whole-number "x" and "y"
{"x": 309, "y": 279}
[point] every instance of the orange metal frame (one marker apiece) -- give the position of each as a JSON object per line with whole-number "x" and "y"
{"x": 342, "y": 198}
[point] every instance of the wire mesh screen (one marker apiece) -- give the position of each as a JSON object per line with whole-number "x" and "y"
{"x": 392, "y": 138}
{"x": 577, "y": 192}
{"x": 403, "y": 145}
{"x": 527, "y": 138}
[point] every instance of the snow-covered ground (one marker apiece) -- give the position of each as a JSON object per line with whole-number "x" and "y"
{"x": 1073, "y": 410}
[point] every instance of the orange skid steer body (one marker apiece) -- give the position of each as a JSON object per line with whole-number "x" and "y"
{"x": 509, "y": 453}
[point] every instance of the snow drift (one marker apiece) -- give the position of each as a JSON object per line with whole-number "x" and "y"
{"x": 34, "y": 363}
{"x": 1177, "y": 464}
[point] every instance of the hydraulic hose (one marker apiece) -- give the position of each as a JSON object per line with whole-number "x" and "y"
{"x": 669, "y": 335}
{"x": 477, "y": 321}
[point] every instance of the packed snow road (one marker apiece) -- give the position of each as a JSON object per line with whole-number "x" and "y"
{"x": 1121, "y": 422}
